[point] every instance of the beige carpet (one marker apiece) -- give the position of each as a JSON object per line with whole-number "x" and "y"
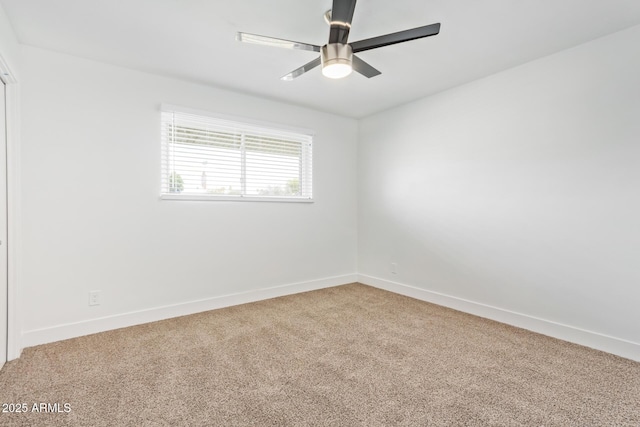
{"x": 345, "y": 356}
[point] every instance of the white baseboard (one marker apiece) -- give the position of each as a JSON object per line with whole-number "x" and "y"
{"x": 617, "y": 346}
{"x": 92, "y": 326}
{"x": 620, "y": 347}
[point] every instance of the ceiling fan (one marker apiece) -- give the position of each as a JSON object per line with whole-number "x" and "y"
{"x": 337, "y": 56}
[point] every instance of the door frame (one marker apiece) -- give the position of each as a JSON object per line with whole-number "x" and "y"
{"x": 12, "y": 97}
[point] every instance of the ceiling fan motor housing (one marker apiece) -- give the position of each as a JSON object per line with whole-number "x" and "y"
{"x": 336, "y": 55}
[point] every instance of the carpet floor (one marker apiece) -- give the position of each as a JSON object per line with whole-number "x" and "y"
{"x": 345, "y": 356}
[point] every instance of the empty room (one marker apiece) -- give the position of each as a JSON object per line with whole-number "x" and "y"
{"x": 327, "y": 212}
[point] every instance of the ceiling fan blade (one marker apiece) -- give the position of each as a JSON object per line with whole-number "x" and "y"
{"x": 300, "y": 71}
{"x": 399, "y": 37}
{"x": 271, "y": 41}
{"x": 363, "y": 68}
{"x": 341, "y": 17}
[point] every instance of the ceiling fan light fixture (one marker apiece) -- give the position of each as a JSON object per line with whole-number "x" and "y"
{"x": 337, "y": 59}
{"x": 336, "y": 71}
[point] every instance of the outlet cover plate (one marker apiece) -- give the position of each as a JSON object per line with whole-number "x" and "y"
{"x": 94, "y": 298}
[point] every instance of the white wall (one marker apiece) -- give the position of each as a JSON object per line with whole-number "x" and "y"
{"x": 519, "y": 192}
{"x": 9, "y": 46}
{"x": 93, "y": 219}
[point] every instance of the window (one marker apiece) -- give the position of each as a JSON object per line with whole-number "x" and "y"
{"x": 209, "y": 158}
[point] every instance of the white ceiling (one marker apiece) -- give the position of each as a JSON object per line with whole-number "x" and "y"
{"x": 195, "y": 40}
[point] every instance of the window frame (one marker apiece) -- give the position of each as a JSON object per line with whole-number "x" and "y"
{"x": 242, "y": 121}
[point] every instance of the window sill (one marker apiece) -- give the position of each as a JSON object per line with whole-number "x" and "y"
{"x": 195, "y": 197}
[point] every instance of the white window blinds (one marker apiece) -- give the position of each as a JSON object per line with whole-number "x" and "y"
{"x": 212, "y": 158}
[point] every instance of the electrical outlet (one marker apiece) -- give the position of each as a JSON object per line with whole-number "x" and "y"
{"x": 94, "y": 297}
{"x": 394, "y": 268}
